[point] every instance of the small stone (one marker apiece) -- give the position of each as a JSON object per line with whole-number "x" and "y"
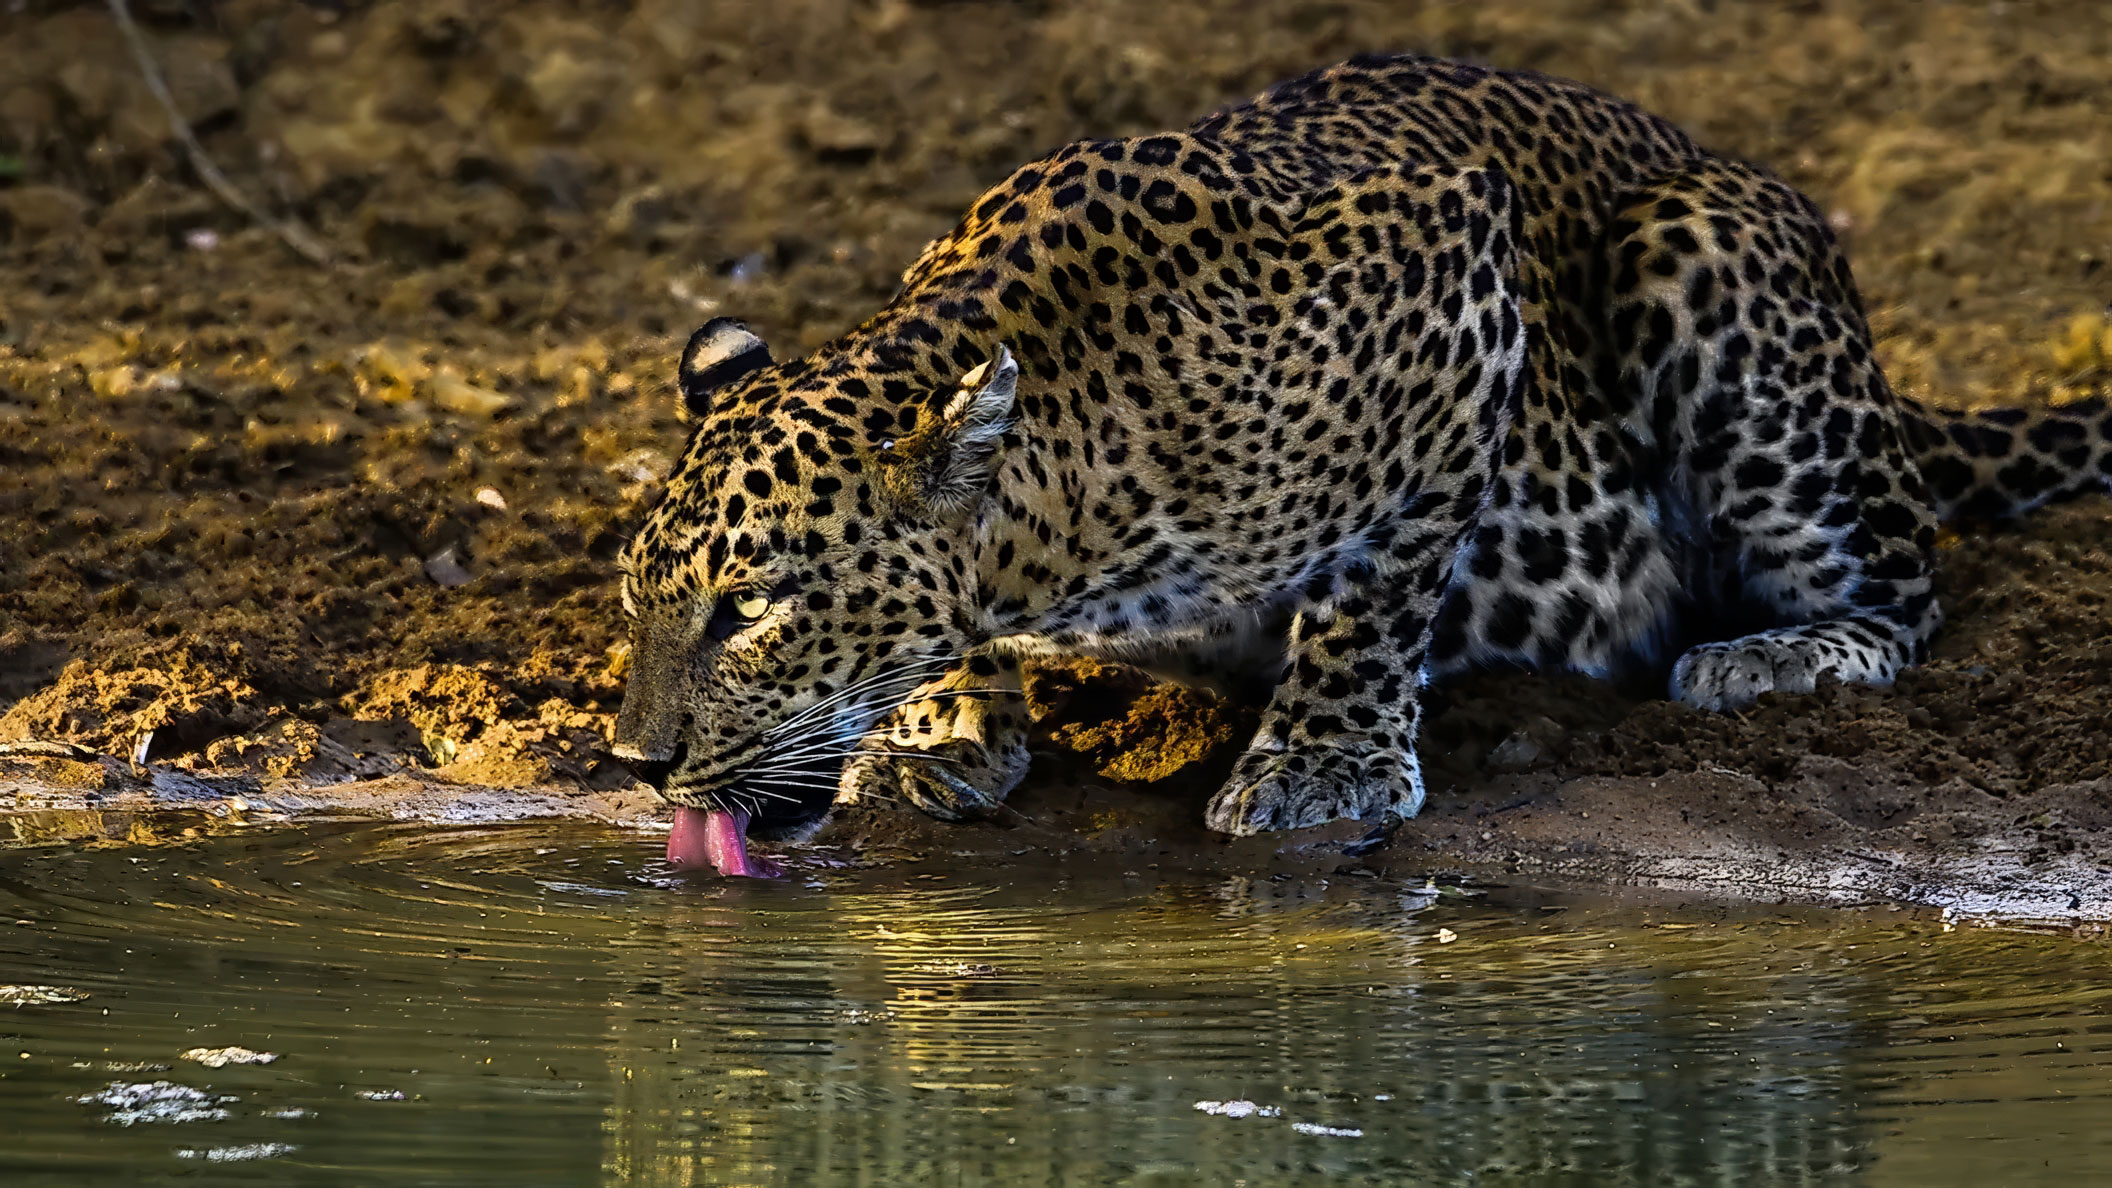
{"x": 388, "y": 374}
{"x": 445, "y": 570}
{"x": 1446, "y": 936}
{"x": 1528, "y": 745}
{"x": 747, "y": 268}
{"x": 455, "y": 394}
{"x": 156, "y": 208}
{"x": 831, "y": 132}
{"x": 639, "y": 470}
{"x": 41, "y": 212}
{"x": 638, "y": 213}
{"x": 1515, "y": 752}
{"x": 2085, "y": 345}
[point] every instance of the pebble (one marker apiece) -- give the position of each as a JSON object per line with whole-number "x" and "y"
{"x": 458, "y": 395}
{"x": 445, "y": 570}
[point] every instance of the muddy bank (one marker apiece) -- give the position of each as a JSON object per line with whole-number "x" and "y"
{"x": 1706, "y": 835}
{"x": 348, "y": 533}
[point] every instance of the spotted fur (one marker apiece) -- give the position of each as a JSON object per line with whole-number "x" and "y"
{"x": 1403, "y": 367}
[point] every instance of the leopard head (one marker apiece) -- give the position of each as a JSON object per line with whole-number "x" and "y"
{"x": 809, "y": 564}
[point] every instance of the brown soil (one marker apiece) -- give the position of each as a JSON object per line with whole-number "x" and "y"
{"x": 264, "y": 521}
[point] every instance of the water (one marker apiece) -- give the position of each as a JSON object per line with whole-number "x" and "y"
{"x": 535, "y": 1005}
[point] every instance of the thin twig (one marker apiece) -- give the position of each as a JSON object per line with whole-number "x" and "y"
{"x": 295, "y": 235}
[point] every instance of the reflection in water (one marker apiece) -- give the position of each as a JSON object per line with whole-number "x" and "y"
{"x": 537, "y": 1005}
{"x": 968, "y": 1037}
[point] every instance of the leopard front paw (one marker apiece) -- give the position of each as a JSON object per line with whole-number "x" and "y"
{"x": 1313, "y": 785}
{"x": 957, "y": 780}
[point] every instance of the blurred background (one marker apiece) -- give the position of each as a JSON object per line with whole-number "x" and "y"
{"x": 264, "y": 513}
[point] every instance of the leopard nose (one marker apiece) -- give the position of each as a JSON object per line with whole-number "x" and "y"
{"x": 650, "y": 770}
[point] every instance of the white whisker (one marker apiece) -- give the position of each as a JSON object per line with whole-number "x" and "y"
{"x": 919, "y": 670}
{"x": 795, "y": 785}
{"x": 772, "y": 773}
{"x": 826, "y": 744}
{"x": 739, "y": 791}
{"x": 814, "y": 746}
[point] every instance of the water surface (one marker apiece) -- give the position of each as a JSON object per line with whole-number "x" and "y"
{"x": 546, "y": 1005}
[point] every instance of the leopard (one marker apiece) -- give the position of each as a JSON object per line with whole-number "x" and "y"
{"x": 1403, "y": 368}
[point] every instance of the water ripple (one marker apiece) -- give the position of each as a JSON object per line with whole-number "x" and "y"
{"x": 550, "y": 1004}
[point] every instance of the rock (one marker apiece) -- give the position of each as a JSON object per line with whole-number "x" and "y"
{"x": 411, "y": 239}
{"x": 323, "y": 152}
{"x": 184, "y": 703}
{"x": 102, "y": 83}
{"x": 830, "y": 133}
{"x": 294, "y": 749}
{"x": 448, "y": 701}
{"x": 157, "y": 208}
{"x": 458, "y": 395}
{"x": 639, "y": 470}
{"x": 748, "y": 268}
{"x": 2085, "y": 344}
{"x": 445, "y": 570}
{"x": 1129, "y": 727}
{"x": 1528, "y": 745}
{"x": 1515, "y": 753}
{"x": 389, "y": 373}
{"x": 442, "y": 27}
{"x": 643, "y": 215}
{"x": 72, "y": 773}
{"x": 28, "y": 113}
{"x": 198, "y": 75}
{"x": 29, "y": 213}
{"x": 572, "y": 89}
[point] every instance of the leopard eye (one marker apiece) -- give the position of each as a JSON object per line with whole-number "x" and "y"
{"x": 736, "y": 613}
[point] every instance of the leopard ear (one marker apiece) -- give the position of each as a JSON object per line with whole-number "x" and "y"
{"x": 964, "y": 446}
{"x": 720, "y": 352}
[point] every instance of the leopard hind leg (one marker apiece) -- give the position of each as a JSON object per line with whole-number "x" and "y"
{"x": 1735, "y": 320}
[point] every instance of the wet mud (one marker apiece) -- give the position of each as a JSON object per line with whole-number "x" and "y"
{"x": 279, "y": 539}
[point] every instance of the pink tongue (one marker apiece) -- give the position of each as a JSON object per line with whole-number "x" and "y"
{"x": 714, "y": 838}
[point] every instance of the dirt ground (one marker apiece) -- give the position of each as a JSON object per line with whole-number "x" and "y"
{"x": 268, "y": 525}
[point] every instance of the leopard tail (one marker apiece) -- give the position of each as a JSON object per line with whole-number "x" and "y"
{"x": 1992, "y": 463}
